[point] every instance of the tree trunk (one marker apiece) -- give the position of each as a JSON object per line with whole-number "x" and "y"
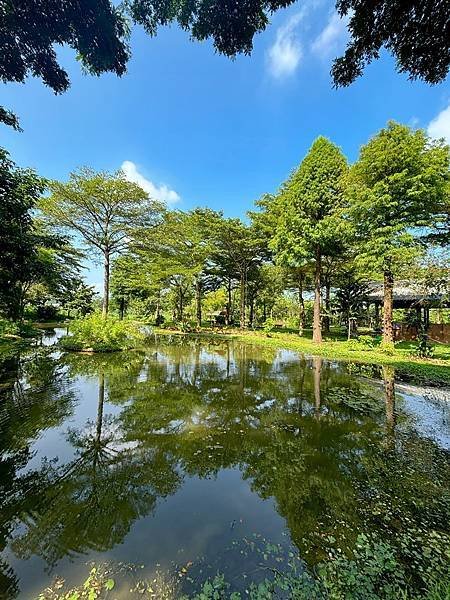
{"x": 388, "y": 301}
{"x": 122, "y": 308}
{"x": 242, "y": 316}
{"x": 301, "y": 304}
{"x": 264, "y": 310}
{"x": 158, "y": 310}
{"x": 106, "y": 285}
{"x": 326, "y": 320}
{"x": 198, "y": 297}
{"x": 229, "y": 303}
{"x": 180, "y": 307}
{"x": 317, "y": 328}
{"x": 377, "y": 315}
{"x": 252, "y": 311}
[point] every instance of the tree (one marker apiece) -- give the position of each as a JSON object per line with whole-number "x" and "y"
{"x": 310, "y": 223}
{"x": 397, "y": 189}
{"x": 241, "y": 248}
{"x": 29, "y": 31}
{"x": 351, "y": 292}
{"x": 20, "y": 189}
{"x": 415, "y": 32}
{"x": 103, "y": 209}
{"x": 80, "y": 298}
{"x": 177, "y": 252}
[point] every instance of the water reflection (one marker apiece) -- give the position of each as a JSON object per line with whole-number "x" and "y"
{"x": 300, "y": 431}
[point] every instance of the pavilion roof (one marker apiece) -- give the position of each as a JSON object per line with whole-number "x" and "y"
{"x": 408, "y": 294}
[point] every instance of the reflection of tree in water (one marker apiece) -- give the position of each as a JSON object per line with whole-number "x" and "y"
{"x": 261, "y": 416}
{"x": 196, "y": 408}
{"x": 35, "y": 395}
{"x": 91, "y": 502}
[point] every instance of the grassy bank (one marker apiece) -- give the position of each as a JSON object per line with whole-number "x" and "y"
{"x": 434, "y": 370}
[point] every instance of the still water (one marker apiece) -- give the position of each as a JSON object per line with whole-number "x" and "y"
{"x": 179, "y": 454}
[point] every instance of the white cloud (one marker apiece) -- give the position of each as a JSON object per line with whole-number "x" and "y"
{"x": 439, "y": 127}
{"x": 161, "y": 192}
{"x": 331, "y": 39}
{"x": 284, "y": 56}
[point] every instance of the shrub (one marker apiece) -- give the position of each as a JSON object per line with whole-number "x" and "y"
{"x": 102, "y": 335}
{"x": 353, "y": 345}
{"x": 268, "y": 325}
{"x": 424, "y": 348}
{"x": 366, "y": 342}
{"x": 387, "y": 348}
{"x": 12, "y": 329}
{"x": 8, "y": 328}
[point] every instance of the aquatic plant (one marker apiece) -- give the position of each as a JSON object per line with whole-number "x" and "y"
{"x": 99, "y": 334}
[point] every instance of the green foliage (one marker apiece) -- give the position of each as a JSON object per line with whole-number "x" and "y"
{"x": 387, "y": 348}
{"x": 100, "y": 334}
{"x": 9, "y": 328}
{"x": 310, "y": 206}
{"x": 363, "y": 343}
{"x": 97, "y": 585}
{"x": 424, "y": 349}
{"x": 23, "y": 329}
{"x": 366, "y": 341}
{"x": 268, "y": 325}
{"x": 99, "y": 33}
{"x": 398, "y": 183}
{"x": 20, "y": 190}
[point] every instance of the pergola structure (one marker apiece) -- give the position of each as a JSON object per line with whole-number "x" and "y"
{"x": 409, "y": 295}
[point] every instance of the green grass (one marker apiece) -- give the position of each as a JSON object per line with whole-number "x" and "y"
{"x": 434, "y": 371}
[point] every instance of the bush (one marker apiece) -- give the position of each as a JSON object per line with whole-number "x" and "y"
{"x": 424, "y": 348}
{"x": 102, "y": 335}
{"x": 12, "y": 329}
{"x": 366, "y": 342}
{"x": 353, "y": 345}
{"x": 8, "y": 328}
{"x": 387, "y": 348}
{"x": 268, "y": 325}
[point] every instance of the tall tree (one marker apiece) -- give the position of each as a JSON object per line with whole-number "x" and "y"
{"x": 178, "y": 252}
{"x": 398, "y": 188}
{"x": 310, "y": 223}
{"x": 20, "y": 189}
{"x": 241, "y": 248}
{"x": 103, "y": 209}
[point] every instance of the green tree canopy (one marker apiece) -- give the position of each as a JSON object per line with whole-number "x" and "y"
{"x": 310, "y": 223}
{"x": 415, "y": 32}
{"x": 237, "y": 249}
{"x": 19, "y": 191}
{"x": 103, "y": 209}
{"x": 398, "y": 189}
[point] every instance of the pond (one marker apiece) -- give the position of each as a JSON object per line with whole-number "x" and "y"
{"x": 191, "y": 453}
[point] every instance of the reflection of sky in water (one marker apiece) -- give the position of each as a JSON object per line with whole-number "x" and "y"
{"x": 430, "y": 411}
{"x": 229, "y": 398}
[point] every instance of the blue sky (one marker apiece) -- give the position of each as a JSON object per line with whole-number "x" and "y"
{"x": 199, "y": 129}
